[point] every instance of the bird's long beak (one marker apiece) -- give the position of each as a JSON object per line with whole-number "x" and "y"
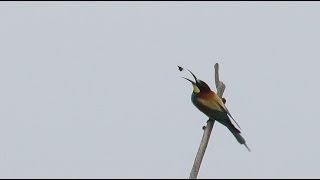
{"x": 194, "y": 84}
{"x": 195, "y": 78}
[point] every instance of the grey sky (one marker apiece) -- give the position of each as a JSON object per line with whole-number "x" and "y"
{"x": 91, "y": 89}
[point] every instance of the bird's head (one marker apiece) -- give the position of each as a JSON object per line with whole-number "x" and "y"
{"x": 199, "y": 86}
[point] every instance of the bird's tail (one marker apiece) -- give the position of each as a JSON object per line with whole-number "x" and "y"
{"x": 238, "y": 136}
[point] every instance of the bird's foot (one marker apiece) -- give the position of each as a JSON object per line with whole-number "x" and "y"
{"x": 224, "y": 100}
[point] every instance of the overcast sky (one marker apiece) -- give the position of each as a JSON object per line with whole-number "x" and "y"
{"x": 92, "y": 89}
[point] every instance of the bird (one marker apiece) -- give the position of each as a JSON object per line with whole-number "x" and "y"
{"x": 209, "y": 103}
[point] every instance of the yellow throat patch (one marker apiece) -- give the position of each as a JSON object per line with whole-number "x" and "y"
{"x": 195, "y": 89}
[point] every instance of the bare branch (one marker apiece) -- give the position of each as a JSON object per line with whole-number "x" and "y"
{"x": 207, "y": 130}
{"x": 219, "y": 84}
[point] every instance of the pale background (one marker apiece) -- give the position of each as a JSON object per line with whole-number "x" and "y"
{"x": 92, "y": 89}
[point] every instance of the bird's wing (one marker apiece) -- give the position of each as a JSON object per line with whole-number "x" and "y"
{"x": 213, "y": 101}
{"x": 227, "y": 111}
{"x": 224, "y": 108}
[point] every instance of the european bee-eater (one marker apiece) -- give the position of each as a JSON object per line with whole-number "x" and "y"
{"x": 212, "y": 105}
